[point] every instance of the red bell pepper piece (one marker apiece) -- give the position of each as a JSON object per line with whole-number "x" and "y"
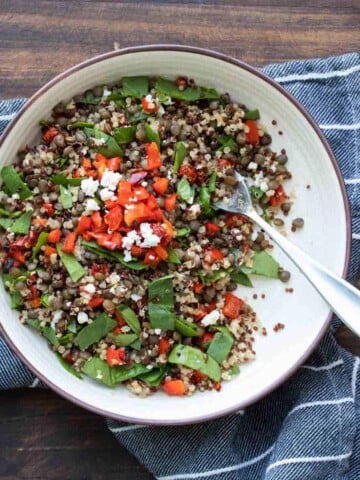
{"x": 215, "y": 255}
{"x": 151, "y": 258}
{"x": 98, "y": 222}
{"x": 111, "y": 241}
{"x": 100, "y": 164}
{"x": 114, "y": 164}
{"x": 84, "y": 224}
{"x": 186, "y": 170}
{"x": 137, "y": 251}
{"x": 279, "y": 197}
{"x": 69, "y": 243}
{"x": 252, "y": 136}
{"x": 170, "y": 202}
{"x": 174, "y": 387}
{"x": 212, "y": 228}
{"x": 54, "y": 236}
{"x": 49, "y": 209}
{"x": 153, "y": 156}
{"x": 198, "y": 287}
{"x": 115, "y": 356}
{"x": 49, "y": 251}
{"x": 139, "y": 212}
{"x": 149, "y": 107}
{"x": 140, "y": 193}
{"x": 161, "y": 185}
{"x": 95, "y": 302}
{"x": 114, "y": 218}
{"x": 50, "y": 134}
{"x": 124, "y": 193}
{"x": 161, "y": 252}
{"x": 152, "y": 202}
{"x": 232, "y": 306}
{"x": 86, "y": 163}
{"x": 164, "y": 345}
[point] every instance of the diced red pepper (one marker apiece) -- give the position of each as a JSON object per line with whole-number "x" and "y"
{"x": 149, "y": 107}
{"x": 69, "y": 243}
{"x": 215, "y": 255}
{"x": 201, "y": 314}
{"x": 86, "y": 163}
{"x": 88, "y": 173}
{"x": 153, "y": 156}
{"x": 161, "y": 185}
{"x": 223, "y": 163}
{"x": 110, "y": 204}
{"x": 161, "y": 252}
{"x": 49, "y": 251}
{"x": 84, "y": 224}
{"x": 164, "y": 345}
{"x": 151, "y": 202}
{"x": 35, "y": 302}
{"x": 252, "y": 136}
{"x": 54, "y": 236}
{"x": 49, "y": 209}
{"x": 115, "y": 356}
{"x": 124, "y": 192}
{"x": 140, "y": 193}
{"x": 95, "y": 302}
{"x": 116, "y": 330}
{"x": 279, "y": 197}
{"x": 50, "y": 134}
{"x": 174, "y": 387}
{"x": 151, "y": 258}
{"x": 137, "y": 251}
{"x": 211, "y": 306}
{"x": 114, "y": 164}
{"x": 17, "y": 255}
{"x": 232, "y": 306}
{"x": 212, "y": 228}
{"x": 170, "y": 202}
{"x": 206, "y": 338}
{"x": 197, "y": 376}
{"x": 100, "y": 164}
{"x": 198, "y": 287}
{"x": 114, "y": 218}
{"x": 186, "y": 170}
{"x": 121, "y": 322}
{"x": 139, "y": 212}
{"x": 111, "y": 241}
{"x": 41, "y": 222}
{"x": 98, "y": 222}
{"x": 234, "y": 220}
{"x": 169, "y": 229}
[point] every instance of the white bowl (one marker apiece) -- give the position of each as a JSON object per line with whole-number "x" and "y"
{"x": 326, "y": 235}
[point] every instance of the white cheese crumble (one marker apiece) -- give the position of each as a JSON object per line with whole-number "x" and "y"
{"x": 89, "y": 186}
{"x": 211, "y": 318}
{"x": 82, "y": 317}
{"x": 110, "y": 179}
{"x": 135, "y": 297}
{"x": 106, "y": 194}
{"x": 106, "y": 92}
{"x": 90, "y": 288}
{"x": 56, "y": 317}
{"x": 127, "y": 256}
{"x": 150, "y": 239}
{"x": 252, "y": 166}
{"x": 91, "y": 205}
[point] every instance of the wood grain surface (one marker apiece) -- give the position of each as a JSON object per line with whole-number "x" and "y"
{"x": 43, "y": 436}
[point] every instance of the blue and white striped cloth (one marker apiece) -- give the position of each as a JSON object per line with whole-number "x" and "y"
{"x": 309, "y": 428}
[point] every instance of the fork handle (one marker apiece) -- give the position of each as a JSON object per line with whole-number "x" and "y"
{"x": 343, "y": 298}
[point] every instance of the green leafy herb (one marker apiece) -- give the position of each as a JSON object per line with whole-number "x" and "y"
{"x": 68, "y": 367}
{"x": 123, "y": 339}
{"x": 235, "y": 370}
{"x": 74, "y": 268}
{"x": 45, "y": 300}
{"x": 263, "y": 264}
{"x": 99, "y": 370}
{"x": 47, "y": 332}
{"x": 185, "y": 328}
{"x": 256, "y": 193}
{"x": 16, "y": 300}
{"x": 6, "y": 213}
{"x": 121, "y": 374}
{"x": 155, "y": 377}
{"x": 60, "y": 179}
{"x": 193, "y": 358}
{"x": 205, "y": 201}
{"x": 213, "y": 277}
{"x": 189, "y": 94}
{"x": 125, "y": 135}
{"x": 130, "y": 318}
{"x": 220, "y": 346}
{"x": 252, "y": 115}
{"x": 6, "y": 223}
{"x": 69, "y": 337}
{"x": 95, "y": 331}
{"x": 185, "y": 191}
{"x": 240, "y": 278}
{"x": 180, "y": 154}
{"x": 116, "y": 97}
{"x": 212, "y": 182}
{"x": 173, "y": 258}
{"x": 110, "y": 148}
{"x": 65, "y": 197}
{"x": 182, "y": 232}
{"x": 81, "y": 125}
{"x": 137, "y": 87}
{"x": 89, "y": 99}
{"x": 41, "y": 241}
{"x": 137, "y": 117}
{"x": 72, "y": 326}
{"x": 62, "y": 161}
{"x": 151, "y": 135}
{"x": 161, "y": 303}
{"x": 44, "y": 123}
{"x": 22, "y": 224}
{"x": 14, "y": 183}
{"x": 112, "y": 256}
{"x": 226, "y": 142}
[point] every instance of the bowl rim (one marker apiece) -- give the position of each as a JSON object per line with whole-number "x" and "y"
{"x": 254, "y": 71}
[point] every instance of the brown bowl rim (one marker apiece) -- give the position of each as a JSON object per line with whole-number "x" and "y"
{"x": 228, "y": 59}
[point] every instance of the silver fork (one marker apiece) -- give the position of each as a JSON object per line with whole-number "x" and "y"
{"x": 343, "y": 298}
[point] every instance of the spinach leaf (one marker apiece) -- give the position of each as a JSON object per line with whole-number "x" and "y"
{"x": 123, "y": 339}
{"x": 112, "y": 256}
{"x": 193, "y": 358}
{"x": 151, "y": 135}
{"x": 154, "y": 377}
{"x": 65, "y": 197}
{"x": 81, "y": 125}
{"x": 72, "y": 326}
{"x": 220, "y": 346}
{"x": 121, "y": 374}
{"x": 263, "y": 264}
{"x": 95, "y": 331}
{"x": 185, "y": 191}
{"x": 22, "y": 224}
{"x": 69, "y": 337}
{"x": 212, "y": 182}
{"x": 213, "y": 277}
{"x": 125, "y": 135}
{"x": 182, "y": 232}
{"x": 240, "y": 278}
{"x": 137, "y": 117}
{"x": 6, "y": 213}
{"x": 89, "y": 99}
{"x": 130, "y": 318}
{"x": 110, "y": 148}
{"x": 137, "y": 87}
{"x": 185, "y": 328}
{"x": 60, "y": 179}
{"x": 252, "y": 115}
{"x": 45, "y": 300}
{"x": 256, "y": 193}
{"x": 117, "y": 97}
{"x": 180, "y": 154}
{"x": 235, "y": 370}
{"x": 14, "y": 183}
{"x": 6, "y": 223}
{"x": 68, "y": 367}
{"x": 74, "y": 268}
{"x": 161, "y": 302}
{"x": 189, "y": 94}
{"x": 99, "y": 370}
{"x": 48, "y": 332}
{"x": 172, "y": 256}
{"x": 16, "y": 300}
{"x": 161, "y": 317}
{"x": 41, "y": 241}
{"x": 226, "y": 142}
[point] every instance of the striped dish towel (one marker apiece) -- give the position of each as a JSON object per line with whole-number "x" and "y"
{"x": 309, "y": 428}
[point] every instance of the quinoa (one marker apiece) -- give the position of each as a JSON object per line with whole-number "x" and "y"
{"x": 111, "y": 245}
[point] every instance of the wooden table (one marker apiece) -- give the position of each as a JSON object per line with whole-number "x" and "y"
{"x": 43, "y": 436}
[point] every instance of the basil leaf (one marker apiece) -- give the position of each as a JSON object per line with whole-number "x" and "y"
{"x": 252, "y": 115}
{"x": 154, "y": 377}
{"x": 99, "y": 370}
{"x": 226, "y": 142}
{"x": 113, "y": 256}
{"x": 137, "y": 87}
{"x": 123, "y": 339}
{"x": 60, "y": 179}
{"x": 264, "y": 265}
{"x": 172, "y": 256}
{"x": 161, "y": 302}
{"x": 14, "y": 183}
{"x": 212, "y": 182}
{"x": 89, "y": 99}
{"x": 68, "y": 367}
{"x": 125, "y": 135}
{"x": 5, "y": 213}
{"x": 189, "y": 94}
{"x": 49, "y": 333}
{"x": 74, "y": 268}
{"x": 110, "y": 148}
{"x": 151, "y": 135}
{"x": 180, "y": 154}
{"x": 136, "y": 345}
{"x": 81, "y": 125}
{"x": 161, "y": 317}
{"x": 182, "y": 232}
{"x": 121, "y": 374}
{"x": 22, "y": 224}
{"x": 41, "y": 241}
{"x": 65, "y": 197}
{"x": 256, "y": 193}
{"x": 184, "y": 190}
{"x": 116, "y": 97}
{"x": 137, "y": 117}
{"x": 185, "y": 328}
{"x": 193, "y": 358}
{"x": 95, "y": 331}
{"x": 130, "y": 318}
{"x": 220, "y": 346}
{"x": 6, "y": 223}
{"x": 241, "y": 278}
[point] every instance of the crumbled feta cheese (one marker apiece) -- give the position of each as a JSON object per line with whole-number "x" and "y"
{"x": 264, "y": 186}
{"x": 194, "y": 211}
{"x": 90, "y": 288}
{"x": 106, "y": 92}
{"x": 82, "y": 317}
{"x": 98, "y": 142}
{"x": 252, "y": 166}
{"x": 135, "y": 297}
{"x": 157, "y": 331}
{"x": 106, "y": 194}
{"x": 110, "y": 179}
{"x": 151, "y": 257}
{"x": 91, "y": 205}
{"x": 150, "y": 239}
{"x": 89, "y": 186}
{"x": 127, "y": 256}
{"x": 130, "y": 239}
{"x": 211, "y": 318}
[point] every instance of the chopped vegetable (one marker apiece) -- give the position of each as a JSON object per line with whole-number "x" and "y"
{"x": 137, "y": 87}
{"x": 232, "y": 306}
{"x": 65, "y": 197}
{"x": 95, "y": 331}
{"x": 14, "y": 184}
{"x": 174, "y": 387}
{"x": 22, "y": 224}
{"x": 74, "y": 268}
{"x": 180, "y": 154}
{"x": 220, "y": 346}
{"x": 110, "y": 146}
